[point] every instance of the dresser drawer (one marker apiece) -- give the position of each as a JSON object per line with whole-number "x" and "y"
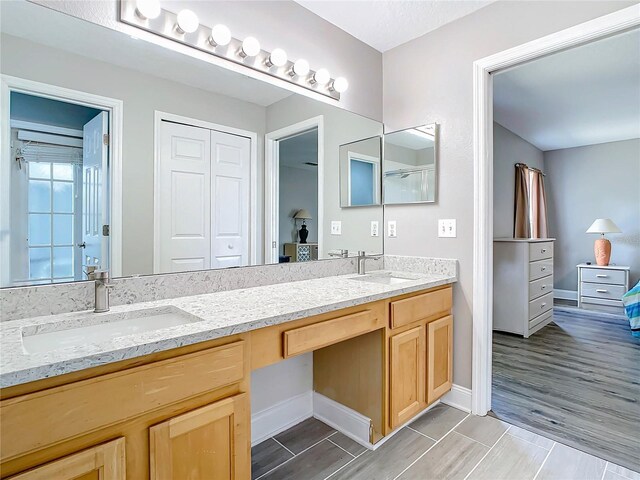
{"x": 540, "y": 287}
{"x": 540, "y": 251}
{"x": 602, "y": 290}
{"x": 540, "y": 305}
{"x": 540, "y": 269}
{"x": 601, "y": 275}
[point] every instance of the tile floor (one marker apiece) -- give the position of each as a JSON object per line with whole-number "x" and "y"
{"x": 445, "y": 443}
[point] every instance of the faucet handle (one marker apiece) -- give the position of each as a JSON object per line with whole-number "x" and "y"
{"x": 101, "y": 275}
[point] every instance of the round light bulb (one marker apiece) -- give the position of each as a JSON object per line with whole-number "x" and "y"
{"x": 148, "y": 9}
{"x": 340, "y": 84}
{"x": 301, "y": 67}
{"x": 322, "y": 76}
{"x": 220, "y": 35}
{"x": 278, "y": 57}
{"x": 250, "y": 47}
{"x": 187, "y": 21}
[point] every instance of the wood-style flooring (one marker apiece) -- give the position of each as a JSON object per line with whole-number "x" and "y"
{"x": 577, "y": 381}
{"x": 445, "y": 443}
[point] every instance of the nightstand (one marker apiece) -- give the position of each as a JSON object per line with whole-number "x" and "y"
{"x": 601, "y": 288}
{"x": 301, "y": 252}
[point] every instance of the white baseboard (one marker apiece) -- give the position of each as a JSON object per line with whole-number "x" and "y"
{"x": 459, "y": 397}
{"x": 565, "y": 294}
{"x": 344, "y": 419}
{"x": 281, "y": 416}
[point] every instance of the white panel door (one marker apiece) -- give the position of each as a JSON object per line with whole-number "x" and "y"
{"x": 230, "y": 158}
{"x": 184, "y": 198}
{"x": 95, "y": 188}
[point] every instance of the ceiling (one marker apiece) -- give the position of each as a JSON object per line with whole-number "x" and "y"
{"x": 582, "y": 96}
{"x": 57, "y": 30}
{"x": 385, "y": 24}
{"x": 30, "y": 108}
{"x": 296, "y": 151}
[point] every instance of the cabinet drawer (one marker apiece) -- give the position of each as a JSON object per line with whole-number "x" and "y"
{"x": 601, "y": 275}
{"x": 540, "y": 269}
{"x": 318, "y": 335}
{"x": 540, "y": 287}
{"x": 545, "y": 317}
{"x": 540, "y": 251}
{"x": 602, "y": 290}
{"x": 99, "y": 402}
{"x": 428, "y": 305}
{"x": 540, "y": 305}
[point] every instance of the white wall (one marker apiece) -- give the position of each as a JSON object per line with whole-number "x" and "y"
{"x": 298, "y": 190}
{"x": 283, "y": 24}
{"x": 508, "y": 149}
{"x": 33, "y": 61}
{"x": 429, "y": 80}
{"x": 585, "y": 183}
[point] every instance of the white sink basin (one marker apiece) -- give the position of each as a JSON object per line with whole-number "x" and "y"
{"x": 385, "y": 278}
{"x": 96, "y": 328}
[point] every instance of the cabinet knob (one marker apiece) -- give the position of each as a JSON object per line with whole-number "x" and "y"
{"x": 543, "y": 305}
{"x": 543, "y": 287}
{"x": 544, "y": 250}
{"x": 543, "y": 268}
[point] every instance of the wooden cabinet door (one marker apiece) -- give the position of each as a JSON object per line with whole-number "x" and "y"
{"x": 102, "y": 462}
{"x": 209, "y": 442}
{"x": 439, "y": 357}
{"x": 408, "y": 359}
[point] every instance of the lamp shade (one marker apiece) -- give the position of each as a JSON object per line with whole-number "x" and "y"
{"x": 303, "y": 214}
{"x": 603, "y": 225}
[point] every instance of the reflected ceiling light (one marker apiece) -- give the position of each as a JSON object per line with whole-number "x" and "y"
{"x": 220, "y": 35}
{"x": 148, "y": 9}
{"x": 250, "y": 47}
{"x": 278, "y": 58}
{"x": 300, "y": 68}
{"x": 340, "y": 85}
{"x": 187, "y": 22}
{"x": 321, "y": 77}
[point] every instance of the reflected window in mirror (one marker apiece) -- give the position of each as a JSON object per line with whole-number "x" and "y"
{"x": 410, "y": 165}
{"x": 360, "y": 173}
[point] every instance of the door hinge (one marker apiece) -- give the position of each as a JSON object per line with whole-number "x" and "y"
{"x": 274, "y": 244}
{"x": 105, "y": 139}
{"x": 105, "y": 230}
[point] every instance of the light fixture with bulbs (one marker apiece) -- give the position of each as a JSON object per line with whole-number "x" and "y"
{"x": 184, "y": 27}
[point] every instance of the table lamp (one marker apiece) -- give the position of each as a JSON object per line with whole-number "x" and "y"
{"x": 303, "y": 215}
{"x": 602, "y": 246}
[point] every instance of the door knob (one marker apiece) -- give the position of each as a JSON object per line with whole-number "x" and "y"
{"x": 82, "y": 245}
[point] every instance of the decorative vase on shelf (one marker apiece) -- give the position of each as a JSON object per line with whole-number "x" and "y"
{"x": 304, "y": 233}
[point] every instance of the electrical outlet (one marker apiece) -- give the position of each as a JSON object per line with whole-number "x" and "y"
{"x": 447, "y": 227}
{"x": 391, "y": 229}
{"x": 375, "y": 228}
{"x": 336, "y": 227}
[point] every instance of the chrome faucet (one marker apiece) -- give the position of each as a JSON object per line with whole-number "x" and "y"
{"x": 102, "y": 287}
{"x": 342, "y": 253}
{"x": 362, "y": 258}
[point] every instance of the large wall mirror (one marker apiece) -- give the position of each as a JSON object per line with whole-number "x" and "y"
{"x": 120, "y": 154}
{"x": 411, "y": 165}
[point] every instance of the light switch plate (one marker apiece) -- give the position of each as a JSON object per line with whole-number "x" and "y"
{"x": 336, "y": 227}
{"x": 375, "y": 228}
{"x": 391, "y": 229}
{"x": 447, "y": 227}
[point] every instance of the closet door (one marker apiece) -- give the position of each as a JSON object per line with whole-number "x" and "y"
{"x": 230, "y": 160}
{"x": 183, "y": 199}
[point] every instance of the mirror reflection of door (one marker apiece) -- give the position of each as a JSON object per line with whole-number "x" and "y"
{"x": 360, "y": 173}
{"x": 203, "y": 199}
{"x": 48, "y": 189}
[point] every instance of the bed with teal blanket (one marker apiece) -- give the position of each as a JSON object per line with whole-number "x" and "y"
{"x": 631, "y": 301}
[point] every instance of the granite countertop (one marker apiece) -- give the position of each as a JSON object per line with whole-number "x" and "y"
{"x": 221, "y": 313}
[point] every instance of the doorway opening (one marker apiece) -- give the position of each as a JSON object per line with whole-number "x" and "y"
{"x": 59, "y": 190}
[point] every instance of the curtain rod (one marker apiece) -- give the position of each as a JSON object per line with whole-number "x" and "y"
{"x": 531, "y": 168}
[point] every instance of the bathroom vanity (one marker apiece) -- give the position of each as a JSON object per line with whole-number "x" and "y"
{"x": 185, "y": 411}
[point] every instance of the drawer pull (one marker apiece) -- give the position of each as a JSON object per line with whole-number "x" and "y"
{"x": 601, "y": 275}
{"x": 544, "y": 250}
{"x": 543, "y": 268}
{"x": 602, "y": 290}
{"x": 543, "y": 287}
{"x": 543, "y": 305}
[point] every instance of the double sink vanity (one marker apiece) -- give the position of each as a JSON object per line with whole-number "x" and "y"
{"x": 162, "y": 389}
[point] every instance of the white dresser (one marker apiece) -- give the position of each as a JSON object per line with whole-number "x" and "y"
{"x": 522, "y": 284}
{"x": 601, "y": 288}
